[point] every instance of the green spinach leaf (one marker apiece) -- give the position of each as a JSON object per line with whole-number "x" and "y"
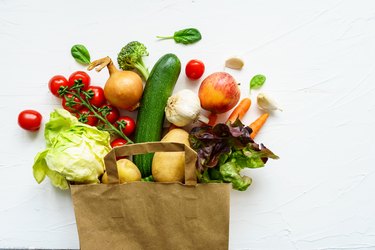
{"x": 185, "y": 36}
{"x": 257, "y": 81}
{"x": 80, "y": 54}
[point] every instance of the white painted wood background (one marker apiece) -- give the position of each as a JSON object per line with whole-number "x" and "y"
{"x": 319, "y": 59}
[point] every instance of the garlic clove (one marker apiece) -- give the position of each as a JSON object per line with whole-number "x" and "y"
{"x": 234, "y": 63}
{"x": 266, "y": 103}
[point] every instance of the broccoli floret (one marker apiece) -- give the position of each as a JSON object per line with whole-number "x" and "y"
{"x": 130, "y": 57}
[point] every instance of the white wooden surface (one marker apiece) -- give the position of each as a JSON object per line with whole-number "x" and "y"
{"x": 318, "y": 57}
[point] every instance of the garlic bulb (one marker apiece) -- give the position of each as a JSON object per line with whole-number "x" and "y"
{"x": 266, "y": 103}
{"x": 184, "y": 108}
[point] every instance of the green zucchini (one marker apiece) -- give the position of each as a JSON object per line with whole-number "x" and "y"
{"x": 159, "y": 87}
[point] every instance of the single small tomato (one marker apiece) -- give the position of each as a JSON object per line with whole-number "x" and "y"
{"x": 110, "y": 112}
{"x": 194, "y": 69}
{"x": 118, "y": 142}
{"x": 56, "y": 82}
{"x": 85, "y": 116}
{"x": 80, "y": 76}
{"x": 71, "y": 103}
{"x": 30, "y": 119}
{"x": 97, "y": 96}
{"x": 126, "y": 124}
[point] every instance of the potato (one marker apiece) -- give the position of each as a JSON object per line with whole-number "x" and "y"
{"x": 127, "y": 172}
{"x": 170, "y": 166}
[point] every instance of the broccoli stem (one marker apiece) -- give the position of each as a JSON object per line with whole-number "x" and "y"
{"x": 142, "y": 69}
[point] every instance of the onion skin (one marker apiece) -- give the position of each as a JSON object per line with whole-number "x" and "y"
{"x": 219, "y": 92}
{"x": 124, "y": 89}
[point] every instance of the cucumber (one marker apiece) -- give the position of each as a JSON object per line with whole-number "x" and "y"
{"x": 159, "y": 87}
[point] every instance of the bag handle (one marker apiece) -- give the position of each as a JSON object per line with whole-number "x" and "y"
{"x": 151, "y": 147}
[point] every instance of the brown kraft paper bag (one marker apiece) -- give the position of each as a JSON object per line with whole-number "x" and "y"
{"x": 152, "y": 215}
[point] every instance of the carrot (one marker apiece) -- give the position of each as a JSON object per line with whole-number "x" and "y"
{"x": 240, "y": 111}
{"x": 258, "y": 124}
{"x": 212, "y": 119}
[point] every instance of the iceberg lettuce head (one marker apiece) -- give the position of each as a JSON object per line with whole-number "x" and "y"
{"x": 74, "y": 151}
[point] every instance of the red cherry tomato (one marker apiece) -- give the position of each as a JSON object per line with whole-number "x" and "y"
{"x": 71, "y": 103}
{"x": 118, "y": 142}
{"x": 112, "y": 112}
{"x": 85, "y": 116}
{"x": 80, "y": 76}
{"x": 30, "y": 120}
{"x": 126, "y": 124}
{"x": 56, "y": 82}
{"x": 194, "y": 69}
{"x": 97, "y": 99}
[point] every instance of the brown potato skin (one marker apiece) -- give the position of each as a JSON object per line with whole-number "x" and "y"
{"x": 127, "y": 172}
{"x": 170, "y": 166}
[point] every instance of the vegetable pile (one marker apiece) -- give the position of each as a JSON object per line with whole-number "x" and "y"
{"x": 88, "y": 104}
{"x": 94, "y": 119}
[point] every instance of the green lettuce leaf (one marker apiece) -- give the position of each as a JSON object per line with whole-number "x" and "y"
{"x": 224, "y": 150}
{"x": 74, "y": 152}
{"x": 40, "y": 167}
{"x": 231, "y": 173}
{"x": 60, "y": 120}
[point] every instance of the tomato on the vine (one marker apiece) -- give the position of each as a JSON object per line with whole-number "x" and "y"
{"x": 87, "y": 117}
{"x": 30, "y": 119}
{"x": 126, "y": 124}
{"x": 56, "y": 82}
{"x": 71, "y": 103}
{"x": 118, "y": 142}
{"x": 97, "y": 96}
{"x": 80, "y": 76}
{"x": 194, "y": 69}
{"x": 109, "y": 112}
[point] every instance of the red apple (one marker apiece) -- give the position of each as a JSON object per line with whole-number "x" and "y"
{"x": 219, "y": 92}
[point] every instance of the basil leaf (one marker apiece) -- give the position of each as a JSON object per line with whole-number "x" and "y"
{"x": 257, "y": 81}
{"x": 187, "y": 36}
{"x": 80, "y": 54}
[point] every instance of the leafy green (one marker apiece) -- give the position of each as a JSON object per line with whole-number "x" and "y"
{"x": 185, "y": 36}
{"x": 80, "y": 54}
{"x": 210, "y": 175}
{"x": 230, "y": 172}
{"x": 74, "y": 152}
{"x": 131, "y": 57}
{"x": 257, "y": 81}
{"x": 224, "y": 150}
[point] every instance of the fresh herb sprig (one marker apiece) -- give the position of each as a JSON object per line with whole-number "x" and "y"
{"x": 84, "y": 97}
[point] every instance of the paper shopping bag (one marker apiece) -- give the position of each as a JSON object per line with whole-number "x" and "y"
{"x": 152, "y": 215}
